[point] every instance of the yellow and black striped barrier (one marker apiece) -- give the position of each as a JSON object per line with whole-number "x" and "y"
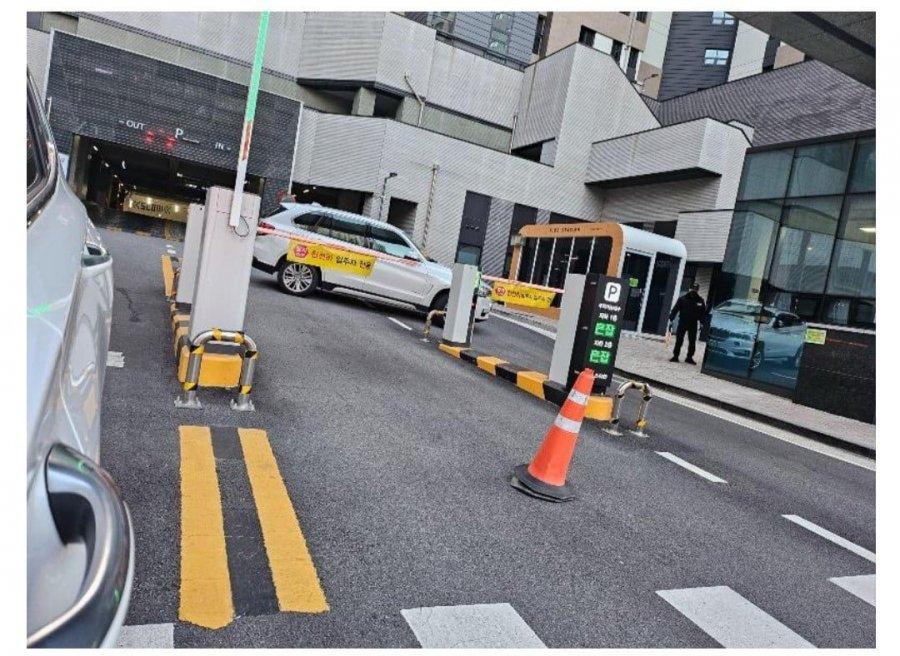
{"x": 220, "y": 364}
{"x": 535, "y": 383}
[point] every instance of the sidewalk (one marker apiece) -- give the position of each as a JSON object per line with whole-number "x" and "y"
{"x": 647, "y": 359}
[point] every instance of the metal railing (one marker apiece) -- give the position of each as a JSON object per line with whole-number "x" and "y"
{"x": 188, "y": 397}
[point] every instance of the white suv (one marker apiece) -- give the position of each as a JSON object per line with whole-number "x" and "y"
{"x": 423, "y": 284}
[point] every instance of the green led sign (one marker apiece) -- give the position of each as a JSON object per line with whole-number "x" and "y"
{"x": 598, "y": 356}
{"x": 604, "y": 329}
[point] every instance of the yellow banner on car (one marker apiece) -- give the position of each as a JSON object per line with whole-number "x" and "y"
{"x": 326, "y": 257}
{"x": 513, "y": 294}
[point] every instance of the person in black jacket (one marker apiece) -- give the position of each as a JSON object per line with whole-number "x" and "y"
{"x": 691, "y": 309}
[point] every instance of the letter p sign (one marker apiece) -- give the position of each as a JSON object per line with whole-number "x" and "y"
{"x": 612, "y": 292}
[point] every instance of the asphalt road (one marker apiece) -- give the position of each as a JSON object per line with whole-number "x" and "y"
{"x": 396, "y": 458}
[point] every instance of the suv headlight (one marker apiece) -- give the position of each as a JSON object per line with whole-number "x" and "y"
{"x": 484, "y": 289}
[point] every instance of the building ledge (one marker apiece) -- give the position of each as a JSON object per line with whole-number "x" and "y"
{"x": 693, "y": 149}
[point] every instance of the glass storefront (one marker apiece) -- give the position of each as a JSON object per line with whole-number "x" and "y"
{"x": 801, "y": 249}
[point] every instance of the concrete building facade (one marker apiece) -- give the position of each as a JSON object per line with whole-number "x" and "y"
{"x": 707, "y": 48}
{"x": 477, "y": 147}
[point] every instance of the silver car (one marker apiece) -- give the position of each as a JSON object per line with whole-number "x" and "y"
{"x": 80, "y": 544}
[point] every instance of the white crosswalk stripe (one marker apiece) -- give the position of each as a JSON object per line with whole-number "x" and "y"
{"x": 731, "y": 620}
{"x": 486, "y": 626}
{"x": 115, "y": 359}
{"x": 860, "y": 586}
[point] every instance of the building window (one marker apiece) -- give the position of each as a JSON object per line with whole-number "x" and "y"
{"x": 800, "y": 261}
{"x": 863, "y": 177}
{"x": 714, "y": 57}
{"x": 616, "y": 51}
{"x": 539, "y": 34}
{"x": 766, "y": 175}
{"x": 640, "y": 16}
{"x": 499, "y": 42}
{"x": 500, "y": 28}
{"x": 850, "y": 297}
{"x": 502, "y": 21}
{"x": 806, "y": 253}
{"x": 634, "y": 60}
{"x": 821, "y": 169}
{"x": 587, "y": 36}
{"x": 722, "y": 18}
{"x": 442, "y": 21}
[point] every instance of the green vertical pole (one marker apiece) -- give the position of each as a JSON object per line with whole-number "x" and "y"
{"x": 249, "y": 114}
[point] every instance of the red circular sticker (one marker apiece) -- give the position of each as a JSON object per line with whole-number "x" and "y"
{"x": 499, "y": 290}
{"x": 300, "y": 250}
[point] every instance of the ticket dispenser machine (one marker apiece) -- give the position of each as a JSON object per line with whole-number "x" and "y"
{"x": 190, "y": 257}
{"x": 223, "y": 268}
{"x": 590, "y": 322}
{"x": 460, "y": 318}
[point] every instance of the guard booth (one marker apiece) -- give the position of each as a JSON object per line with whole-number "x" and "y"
{"x": 651, "y": 264}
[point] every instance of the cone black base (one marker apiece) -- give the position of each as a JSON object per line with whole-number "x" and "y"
{"x": 528, "y": 484}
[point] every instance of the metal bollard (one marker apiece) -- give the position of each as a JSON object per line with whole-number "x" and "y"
{"x": 429, "y": 319}
{"x": 188, "y": 398}
{"x": 612, "y": 428}
{"x": 245, "y": 383}
{"x": 641, "y": 423}
{"x": 642, "y": 413}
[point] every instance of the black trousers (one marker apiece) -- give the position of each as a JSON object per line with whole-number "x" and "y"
{"x": 689, "y": 327}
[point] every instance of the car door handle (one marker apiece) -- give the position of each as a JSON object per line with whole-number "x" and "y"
{"x": 94, "y": 255}
{"x": 86, "y": 508}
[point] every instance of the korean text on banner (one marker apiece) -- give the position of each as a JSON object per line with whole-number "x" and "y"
{"x": 326, "y": 257}
{"x": 513, "y": 294}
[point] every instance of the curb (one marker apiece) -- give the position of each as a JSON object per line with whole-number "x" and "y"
{"x": 535, "y": 383}
{"x": 769, "y": 420}
{"x": 762, "y": 418}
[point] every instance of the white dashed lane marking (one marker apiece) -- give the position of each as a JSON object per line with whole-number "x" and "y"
{"x": 399, "y": 323}
{"x": 115, "y": 359}
{"x": 832, "y": 537}
{"x": 485, "y": 626}
{"x": 692, "y": 468}
{"x": 859, "y": 586}
{"x": 146, "y": 636}
{"x": 731, "y": 620}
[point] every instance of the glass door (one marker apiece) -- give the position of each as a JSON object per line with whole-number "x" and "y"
{"x": 635, "y": 268}
{"x": 661, "y": 294}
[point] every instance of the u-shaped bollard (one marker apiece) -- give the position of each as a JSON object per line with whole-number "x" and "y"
{"x": 641, "y": 422}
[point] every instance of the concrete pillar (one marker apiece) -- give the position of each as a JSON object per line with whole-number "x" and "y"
{"x": 363, "y": 102}
{"x": 409, "y": 111}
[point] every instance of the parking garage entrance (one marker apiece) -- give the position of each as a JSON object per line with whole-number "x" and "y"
{"x": 140, "y": 191}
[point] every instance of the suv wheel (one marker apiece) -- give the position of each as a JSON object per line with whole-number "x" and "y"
{"x": 298, "y": 279}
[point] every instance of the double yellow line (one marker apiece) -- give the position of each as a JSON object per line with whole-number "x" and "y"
{"x": 206, "y": 595}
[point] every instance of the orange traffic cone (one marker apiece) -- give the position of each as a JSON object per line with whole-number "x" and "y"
{"x": 545, "y": 476}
